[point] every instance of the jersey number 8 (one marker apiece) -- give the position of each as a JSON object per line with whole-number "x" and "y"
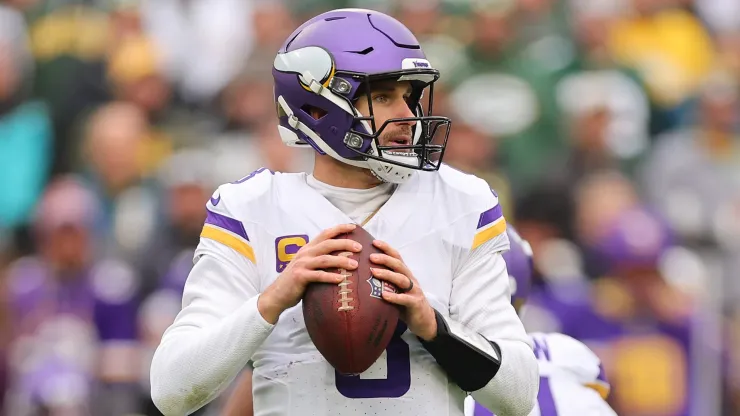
{"x": 396, "y": 384}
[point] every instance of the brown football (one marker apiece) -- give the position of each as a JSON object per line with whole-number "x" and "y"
{"x": 350, "y": 323}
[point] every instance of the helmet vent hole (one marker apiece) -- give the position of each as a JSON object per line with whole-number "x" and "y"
{"x": 313, "y": 111}
{"x": 329, "y": 19}
{"x": 287, "y": 46}
{"x": 364, "y": 51}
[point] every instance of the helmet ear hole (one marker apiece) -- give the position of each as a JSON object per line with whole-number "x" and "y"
{"x": 316, "y": 113}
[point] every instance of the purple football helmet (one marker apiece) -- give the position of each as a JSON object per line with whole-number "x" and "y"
{"x": 520, "y": 265}
{"x": 330, "y": 62}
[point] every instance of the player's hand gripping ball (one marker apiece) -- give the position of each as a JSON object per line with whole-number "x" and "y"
{"x": 310, "y": 265}
{"x": 350, "y": 323}
{"x": 415, "y": 309}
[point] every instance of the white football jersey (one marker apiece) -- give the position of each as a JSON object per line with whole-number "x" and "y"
{"x": 572, "y": 380}
{"x": 438, "y": 221}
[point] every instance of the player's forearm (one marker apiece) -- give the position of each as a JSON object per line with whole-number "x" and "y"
{"x": 513, "y": 390}
{"x": 193, "y": 365}
{"x": 507, "y": 382}
{"x": 504, "y": 371}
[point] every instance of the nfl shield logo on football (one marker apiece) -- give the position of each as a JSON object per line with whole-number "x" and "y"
{"x": 377, "y": 286}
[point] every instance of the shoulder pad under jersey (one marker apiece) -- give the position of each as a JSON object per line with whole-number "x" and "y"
{"x": 476, "y": 204}
{"x": 228, "y": 211}
{"x": 242, "y": 191}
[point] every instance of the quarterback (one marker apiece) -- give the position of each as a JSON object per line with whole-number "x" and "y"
{"x": 572, "y": 379}
{"x": 350, "y": 85}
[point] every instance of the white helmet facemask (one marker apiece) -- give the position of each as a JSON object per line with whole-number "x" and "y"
{"x": 392, "y": 173}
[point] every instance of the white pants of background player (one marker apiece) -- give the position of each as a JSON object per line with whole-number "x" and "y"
{"x": 558, "y": 396}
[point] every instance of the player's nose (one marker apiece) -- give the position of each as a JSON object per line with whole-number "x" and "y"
{"x": 402, "y": 110}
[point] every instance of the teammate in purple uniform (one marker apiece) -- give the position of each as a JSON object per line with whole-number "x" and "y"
{"x": 634, "y": 319}
{"x": 572, "y": 379}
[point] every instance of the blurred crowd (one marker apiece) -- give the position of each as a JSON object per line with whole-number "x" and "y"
{"x": 609, "y": 128}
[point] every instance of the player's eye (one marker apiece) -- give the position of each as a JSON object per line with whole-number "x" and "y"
{"x": 381, "y": 98}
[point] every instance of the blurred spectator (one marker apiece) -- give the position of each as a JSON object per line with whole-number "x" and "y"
{"x": 204, "y": 42}
{"x": 693, "y": 177}
{"x": 543, "y": 31}
{"x": 242, "y": 101}
{"x": 542, "y": 216}
{"x": 591, "y": 22}
{"x": 694, "y": 172}
{"x": 731, "y": 390}
{"x": 729, "y": 51}
{"x": 67, "y": 41}
{"x": 599, "y": 200}
{"x": 605, "y": 118}
{"x": 116, "y": 156}
{"x": 721, "y": 16}
{"x": 595, "y": 79}
{"x": 563, "y": 223}
{"x": 272, "y": 21}
{"x": 74, "y": 329}
{"x": 26, "y": 138}
{"x": 239, "y": 153}
{"x": 669, "y": 48}
{"x": 554, "y": 102}
{"x": 158, "y": 310}
{"x": 469, "y": 150}
{"x": 508, "y": 93}
{"x": 135, "y": 74}
{"x": 422, "y": 17}
{"x": 21, "y": 4}
{"x": 186, "y": 181}
{"x": 114, "y": 135}
{"x": 249, "y": 138}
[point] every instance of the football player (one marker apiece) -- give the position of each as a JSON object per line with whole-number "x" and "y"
{"x": 572, "y": 379}
{"x": 350, "y": 84}
{"x": 643, "y": 324}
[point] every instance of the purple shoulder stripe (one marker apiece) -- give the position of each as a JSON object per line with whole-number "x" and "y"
{"x": 490, "y": 216}
{"x": 228, "y": 224}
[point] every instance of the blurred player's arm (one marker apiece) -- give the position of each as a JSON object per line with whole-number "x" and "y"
{"x": 576, "y": 360}
{"x": 482, "y": 345}
{"x": 215, "y": 334}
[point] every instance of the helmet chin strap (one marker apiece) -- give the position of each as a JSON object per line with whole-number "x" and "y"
{"x": 388, "y": 172}
{"x": 391, "y": 173}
